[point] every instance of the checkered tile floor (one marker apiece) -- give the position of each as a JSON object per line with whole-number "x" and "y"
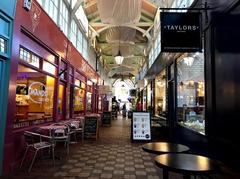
{"x": 111, "y": 156}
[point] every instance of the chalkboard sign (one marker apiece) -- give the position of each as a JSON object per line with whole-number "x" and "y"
{"x": 106, "y": 118}
{"x": 91, "y": 127}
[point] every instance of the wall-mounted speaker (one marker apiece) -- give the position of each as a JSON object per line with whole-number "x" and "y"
{"x": 27, "y": 4}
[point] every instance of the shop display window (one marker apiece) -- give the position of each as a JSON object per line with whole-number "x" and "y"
{"x": 60, "y": 99}
{"x": 83, "y": 85}
{"x": 145, "y": 99}
{"x": 77, "y": 82}
{"x": 100, "y": 103}
{"x": 29, "y": 57}
{"x": 50, "y": 68}
{"x": 34, "y": 97}
{"x": 160, "y": 94}
{"x": 149, "y": 95}
{"x": 190, "y": 92}
{"x": 89, "y": 102}
{"x": 78, "y": 100}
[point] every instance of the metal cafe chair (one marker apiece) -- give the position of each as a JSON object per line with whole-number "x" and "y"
{"x": 77, "y": 126}
{"x": 37, "y": 142}
{"x": 61, "y": 133}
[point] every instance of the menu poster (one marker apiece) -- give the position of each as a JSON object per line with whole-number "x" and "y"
{"x": 141, "y": 126}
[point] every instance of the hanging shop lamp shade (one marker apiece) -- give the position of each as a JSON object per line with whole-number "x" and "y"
{"x": 119, "y": 58}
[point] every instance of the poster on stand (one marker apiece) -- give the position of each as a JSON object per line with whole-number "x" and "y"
{"x": 141, "y": 126}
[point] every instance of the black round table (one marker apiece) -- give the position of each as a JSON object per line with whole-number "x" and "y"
{"x": 187, "y": 164}
{"x": 164, "y": 147}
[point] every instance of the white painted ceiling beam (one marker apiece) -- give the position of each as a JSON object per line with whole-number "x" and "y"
{"x": 76, "y": 6}
{"x": 139, "y": 24}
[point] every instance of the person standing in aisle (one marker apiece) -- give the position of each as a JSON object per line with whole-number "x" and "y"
{"x": 124, "y": 110}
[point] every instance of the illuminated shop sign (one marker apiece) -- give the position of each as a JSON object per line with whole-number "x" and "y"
{"x": 38, "y": 92}
{"x": 180, "y": 32}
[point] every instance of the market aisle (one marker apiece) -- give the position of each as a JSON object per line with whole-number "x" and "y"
{"x": 111, "y": 156}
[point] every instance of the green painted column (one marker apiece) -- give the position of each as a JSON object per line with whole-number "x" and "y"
{"x": 7, "y": 13}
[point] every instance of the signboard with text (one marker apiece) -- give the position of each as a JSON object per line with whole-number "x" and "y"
{"x": 141, "y": 126}
{"x": 180, "y": 32}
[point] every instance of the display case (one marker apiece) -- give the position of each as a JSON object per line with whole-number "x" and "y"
{"x": 190, "y": 93}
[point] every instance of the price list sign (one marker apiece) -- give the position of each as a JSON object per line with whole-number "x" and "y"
{"x": 141, "y": 126}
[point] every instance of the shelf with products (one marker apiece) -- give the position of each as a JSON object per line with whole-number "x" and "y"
{"x": 195, "y": 126}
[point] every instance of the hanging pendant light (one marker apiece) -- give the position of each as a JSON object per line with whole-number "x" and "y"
{"x": 119, "y": 58}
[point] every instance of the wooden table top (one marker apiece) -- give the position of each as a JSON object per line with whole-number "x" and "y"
{"x": 164, "y": 147}
{"x": 186, "y": 163}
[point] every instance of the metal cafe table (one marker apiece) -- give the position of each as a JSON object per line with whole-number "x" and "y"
{"x": 164, "y": 147}
{"x": 186, "y": 164}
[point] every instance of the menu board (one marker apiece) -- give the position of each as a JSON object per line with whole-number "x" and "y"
{"x": 141, "y": 126}
{"x": 106, "y": 118}
{"x": 91, "y": 127}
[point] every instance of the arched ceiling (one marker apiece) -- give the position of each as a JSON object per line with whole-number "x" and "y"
{"x": 131, "y": 38}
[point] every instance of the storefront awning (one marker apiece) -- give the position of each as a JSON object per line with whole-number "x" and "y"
{"x": 163, "y": 60}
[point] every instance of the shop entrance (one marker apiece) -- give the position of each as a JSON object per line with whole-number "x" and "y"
{"x": 61, "y": 101}
{"x": 171, "y": 93}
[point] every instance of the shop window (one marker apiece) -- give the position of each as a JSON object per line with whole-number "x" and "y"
{"x": 83, "y": 85}
{"x": 145, "y": 99}
{"x": 50, "y": 68}
{"x": 77, "y": 82}
{"x": 3, "y": 45}
{"x": 60, "y": 99}
{"x": 52, "y": 59}
{"x": 149, "y": 96}
{"x": 78, "y": 100}
{"x": 190, "y": 92}
{"x": 100, "y": 103}
{"x": 160, "y": 94}
{"x": 89, "y": 102}
{"x": 29, "y": 57}
{"x": 34, "y": 97}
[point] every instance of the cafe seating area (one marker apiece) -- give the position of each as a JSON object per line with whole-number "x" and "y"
{"x": 50, "y": 136}
{"x": 112, "y": 155}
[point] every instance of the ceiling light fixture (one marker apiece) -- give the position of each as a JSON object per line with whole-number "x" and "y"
{"x": 188, "y": 61}
{"x": 119, "y": 58}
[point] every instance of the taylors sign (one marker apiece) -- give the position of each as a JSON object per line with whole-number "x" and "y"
{"x": 180, "y": 32}
{"x": 38, "y": 92}
{"x": 181, "y": 28}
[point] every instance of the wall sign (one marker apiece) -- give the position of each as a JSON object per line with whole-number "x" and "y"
{"x": 180, "y": 32}
{"x": 37, "y": 92}
{"x": 141, "y": 126}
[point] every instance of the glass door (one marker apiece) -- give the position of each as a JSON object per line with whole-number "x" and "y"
{"x": 61, "y": 101}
